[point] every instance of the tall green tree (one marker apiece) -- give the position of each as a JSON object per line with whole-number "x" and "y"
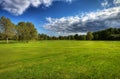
{"x": 7, "y": 28}
{"x": 26, "y": 31}
{"x": 32, "y": 31}
{"x": 89, "y": 36}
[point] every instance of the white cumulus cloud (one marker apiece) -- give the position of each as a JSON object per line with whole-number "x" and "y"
{"x": 18, "y": 7}
{"x": 92, "y": 21}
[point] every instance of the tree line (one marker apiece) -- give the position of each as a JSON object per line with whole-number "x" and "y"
{"x": 25, "y": 31}
{"x": 69, "y": 37}
{"x": 107, "y": 34}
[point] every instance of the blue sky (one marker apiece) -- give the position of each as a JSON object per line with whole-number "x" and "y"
{"x": 55, "y": 17}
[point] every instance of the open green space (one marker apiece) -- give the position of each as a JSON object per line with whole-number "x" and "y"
{"x": 60, "y": 60}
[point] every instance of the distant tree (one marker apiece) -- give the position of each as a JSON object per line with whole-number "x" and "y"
{"x": 71, "y": 37}
{"x": 43, "y": 37}
{"x": 7, "y": 28}
{"x": 60, "y": 37}
{"x": 33, "y": 35}
{"x": 107, "y": 34}
{"x": 54, "y": 38}
{"x": 26, "y": 31}
{"x": 89, "y": 36}
{"x": 1, "y": 36}
{"x": 96, "y": 36}
{"x": 82, "y": 37}
{"x": 76, "y": 36}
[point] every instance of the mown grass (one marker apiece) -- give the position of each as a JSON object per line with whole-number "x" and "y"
{"x": 60, "y": 60}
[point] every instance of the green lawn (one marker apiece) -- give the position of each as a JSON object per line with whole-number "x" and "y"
{"x": 60, "y": 60}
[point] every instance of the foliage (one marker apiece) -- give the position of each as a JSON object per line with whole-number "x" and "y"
{"x": 108, "y": 34}
{"x": 26, "y": 31}
{"x": 7, "y": 28}
{"x": 22, "y": 31}
{"x": 89, "y": 36}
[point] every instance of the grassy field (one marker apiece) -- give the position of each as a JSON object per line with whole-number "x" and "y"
{"x": 60, "y": 60}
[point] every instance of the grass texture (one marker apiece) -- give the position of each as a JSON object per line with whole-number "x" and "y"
{"x": 60, "y": 60}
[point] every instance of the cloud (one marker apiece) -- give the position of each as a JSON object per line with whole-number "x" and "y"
{"x": 18, "y": 7}
{"x": 116, "y": 2}
{"x": 105, "y": 4}
{"x": 110, "y": 3}
{"x": 92, "y": 21}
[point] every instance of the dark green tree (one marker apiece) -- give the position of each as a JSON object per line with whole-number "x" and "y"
{"x": 76, "y": 36}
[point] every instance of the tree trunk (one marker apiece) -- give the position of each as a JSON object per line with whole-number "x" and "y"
{"x": 7, "y": 40}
